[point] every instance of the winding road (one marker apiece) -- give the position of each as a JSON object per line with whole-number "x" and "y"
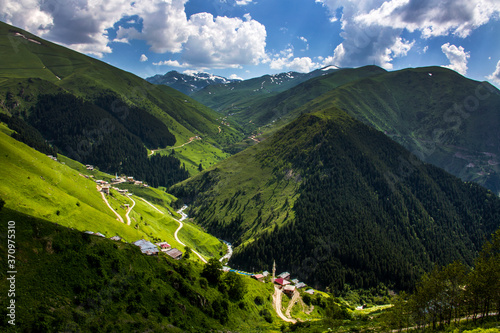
{"x": 129, "y": 210}
{"x": 107, "y": 203}
{"x": 190, "y": 140}
{"x": 149, "y": 203}
{"x": 277, "y": 305}
{"x": 184, "y": 216}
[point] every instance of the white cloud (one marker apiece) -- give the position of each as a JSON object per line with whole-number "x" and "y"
{"x": 243, "y": 2}
{"x": 224, "y": 42}
{"x": 171, "y": 63}
{"x": 372, "y": 28}
{"x": 286, "y": 60}
{"x": 426, "y": 48}
{"x": 495, "y": 76}
{"x": 202, "y": 40}
{"x": 457, "y": 56}
{"x": 80, "y": 25}
{"x": 235, "y": 77}
{"x": 143, "y": 58}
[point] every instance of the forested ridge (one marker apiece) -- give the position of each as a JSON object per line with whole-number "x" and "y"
{"x": 112, "y": 140}
{"x": 366, "y": 211}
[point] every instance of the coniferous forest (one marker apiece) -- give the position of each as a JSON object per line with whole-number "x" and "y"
{"x": 112, "y": 137}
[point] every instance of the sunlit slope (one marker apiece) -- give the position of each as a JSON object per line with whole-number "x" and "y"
{"x": 335, "y": 201}
{"x": 32, "y": 67}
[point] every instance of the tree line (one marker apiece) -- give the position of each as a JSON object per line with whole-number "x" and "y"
{"x": 108, "y": 134}
{"x": 450, "y": 293}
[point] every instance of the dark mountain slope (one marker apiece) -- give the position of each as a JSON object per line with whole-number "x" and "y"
{"x": 444, "y": 118}
{"x": 335, "y": 201}
{"x": 281, "y": 107}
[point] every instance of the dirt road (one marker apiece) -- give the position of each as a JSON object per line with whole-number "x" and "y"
{"x": 277, "y": 305}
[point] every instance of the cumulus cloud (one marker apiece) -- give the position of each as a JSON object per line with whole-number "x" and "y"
{"x": 286, "y": 60}
{"x": 495, "y": 76}
{"x": 224, "y": 41}
{"x": 143, "y": 58}
{"x": 372, "y": 30}
{"x": 457, "y": 56}
{"x": 80, "y": 25}
{"x": 202, "y": 40}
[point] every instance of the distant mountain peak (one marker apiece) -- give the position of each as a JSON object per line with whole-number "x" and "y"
{"x": 189, "y": 83}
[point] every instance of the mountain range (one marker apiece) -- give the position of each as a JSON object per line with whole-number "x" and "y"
{"x": 345, "y": 177}
{"x": 188, "y": 83}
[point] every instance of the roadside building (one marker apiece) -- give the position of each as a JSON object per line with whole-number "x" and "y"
{"x": 284, "y": 275}
{"x": 174, "y": 254}
{"x": 300, "y": 285}
{"x": 281, "y": 281}
{"x": 289, "y": 290}
{"x": 258, "y": 277}
{"x": 146, "y": 247}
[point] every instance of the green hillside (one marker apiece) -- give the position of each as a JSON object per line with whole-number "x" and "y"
{"x": 33, "y": 68}
{"x": 72, "y": 281}
{"x": 280, "y": 108}
{"x": 57, "y": 191}
{"x": 337, "y": 202}
{"x": 444, "y": 118}
{"x": 236, "y": 97}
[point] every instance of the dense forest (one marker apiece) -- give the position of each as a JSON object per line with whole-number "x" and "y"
{"x": 112, "y": 140}
{"x": 367, "y": 211}
{"x": 27, "y": 134}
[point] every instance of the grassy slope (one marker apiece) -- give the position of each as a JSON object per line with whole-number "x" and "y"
{"x": 70, "y": 281}
{"x": 245, "y": 197}
{"x": 29, "y": 69}
{"x": 36, "y": 185}
{"x": 280, "y": 108}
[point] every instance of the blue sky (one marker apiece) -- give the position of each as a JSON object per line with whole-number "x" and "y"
{"x": 249, "y": 38}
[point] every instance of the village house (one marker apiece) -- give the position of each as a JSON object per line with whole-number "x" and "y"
{"x": 174, "y": 254}
{"x": 164, "y": 246}
{"x": 289, "y": 290}
{"x": 258, "y": 277}
{"x": 310, "y": 291}
{"x": 265, "y": 273}
{"x": 300, "y": 285}
{"x": 130, "y": 179}
{"x": 284, "y": 275}
{"x": 89, "y": 167}
{"x": 116, "y": 238}
{"x": 282, "y": 282}
{"x": 146, "y": 247}
{"x": 105, "y": 189}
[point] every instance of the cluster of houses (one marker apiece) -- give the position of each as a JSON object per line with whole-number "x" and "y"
{"x": 147, "y": 247}
{"x": 153, "y": 249}
{"x": 284, "y": 282}
{"x": 52, "y": 157}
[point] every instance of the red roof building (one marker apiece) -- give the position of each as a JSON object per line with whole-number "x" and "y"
{"x": 258, "y": 277}
{"x": 281, "y": 281}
